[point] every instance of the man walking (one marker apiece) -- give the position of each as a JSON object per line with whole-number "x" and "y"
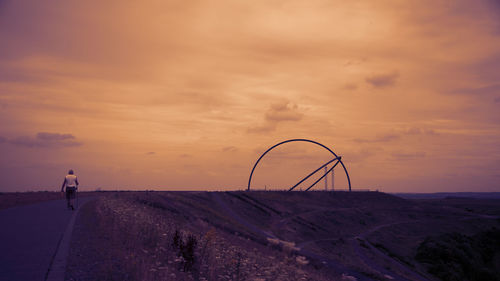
{"x": 71, "y": 183}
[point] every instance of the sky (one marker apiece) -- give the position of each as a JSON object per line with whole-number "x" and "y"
{"x": 187, "y": 94}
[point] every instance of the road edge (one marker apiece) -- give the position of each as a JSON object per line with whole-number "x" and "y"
{"x": 57, "y": 267}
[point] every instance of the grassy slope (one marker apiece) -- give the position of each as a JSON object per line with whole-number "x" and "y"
{"x": 371, "y": 233}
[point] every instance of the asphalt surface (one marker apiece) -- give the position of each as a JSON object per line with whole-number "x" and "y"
{"x": 31, "y": 237}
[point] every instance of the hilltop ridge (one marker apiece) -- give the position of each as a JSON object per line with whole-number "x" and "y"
{"x": 286, "y": 235}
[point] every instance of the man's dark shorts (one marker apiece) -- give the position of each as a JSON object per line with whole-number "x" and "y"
{"x": 70, "y": 192}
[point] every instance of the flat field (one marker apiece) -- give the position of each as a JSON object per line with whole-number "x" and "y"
{"x": 274, "y": 235}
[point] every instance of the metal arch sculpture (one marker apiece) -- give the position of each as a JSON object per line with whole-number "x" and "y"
{"x": 338, "y": 158}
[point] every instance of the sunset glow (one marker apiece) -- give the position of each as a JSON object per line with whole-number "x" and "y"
{"x": 187, "y": 94}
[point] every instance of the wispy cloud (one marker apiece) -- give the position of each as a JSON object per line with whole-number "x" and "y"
{"x": 493, "y": 89}
{"x": 420, "y": 131}
{"x": 44, "y": 139}
{"x": 382, "y": 138}
{"x": 264, "y": 128}
{"x": 229, "y": 149}
{"x": 382, "y": 80}
{"x": 54, "y": 136}
{"x": 350, "y": 86}
{"x": 414, "y": 131}
{"x": 408, "y": 156}
{"x": 301, "y": 153}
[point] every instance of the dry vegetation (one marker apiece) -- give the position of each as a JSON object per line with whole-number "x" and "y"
{"x": 266, "y": 235}
{"x": 139, "y": 236}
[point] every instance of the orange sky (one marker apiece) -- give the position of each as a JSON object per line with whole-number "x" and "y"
{"x": 187, "y": 94}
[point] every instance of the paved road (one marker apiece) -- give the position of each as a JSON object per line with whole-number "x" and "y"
{"x": 29, "y": 238}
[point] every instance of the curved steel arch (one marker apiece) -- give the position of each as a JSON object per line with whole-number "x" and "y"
{"x": 293, "y": 140}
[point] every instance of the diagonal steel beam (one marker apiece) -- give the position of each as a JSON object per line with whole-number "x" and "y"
{"x": 308, "y": 176}
{"x": 324, "y": 174}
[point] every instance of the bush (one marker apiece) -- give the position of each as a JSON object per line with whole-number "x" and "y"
{"x": 186, "y": 249}
{"x": 176, "y": 240}
{"x": 455, "y": 257}
{"x": 187, "y": 252}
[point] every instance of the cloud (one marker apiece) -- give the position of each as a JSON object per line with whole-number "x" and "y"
{"x": 2, "y": 139}
{"x": 485, "y": 69}
{"x": 229, "y": 149}
{"x": 383, "y": 138}
{"x": 493, "y": 89}
{"x": 419, "y": 131}
{"x": 44, "y": 139}
{"x": 408, "y": 156}
{"x": 414, "y": 131}
{"x": 203, "y": 96}
{"x": 284, "y": 111}
{"x": 350, "y": 86}
{"x": 353, "y": 62}
{"x": 382, "y": 80}
{"x": 25, "y": 141}
{"x": 54, "y": 136}
{"x": 302, "y": 153}
{"x": 150, "y": 153}
{"x": 266, "y": 128}
{"x": 430, "y": 132}
{"x": 497, "y": 100}
{"x": 361, "y": 155}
